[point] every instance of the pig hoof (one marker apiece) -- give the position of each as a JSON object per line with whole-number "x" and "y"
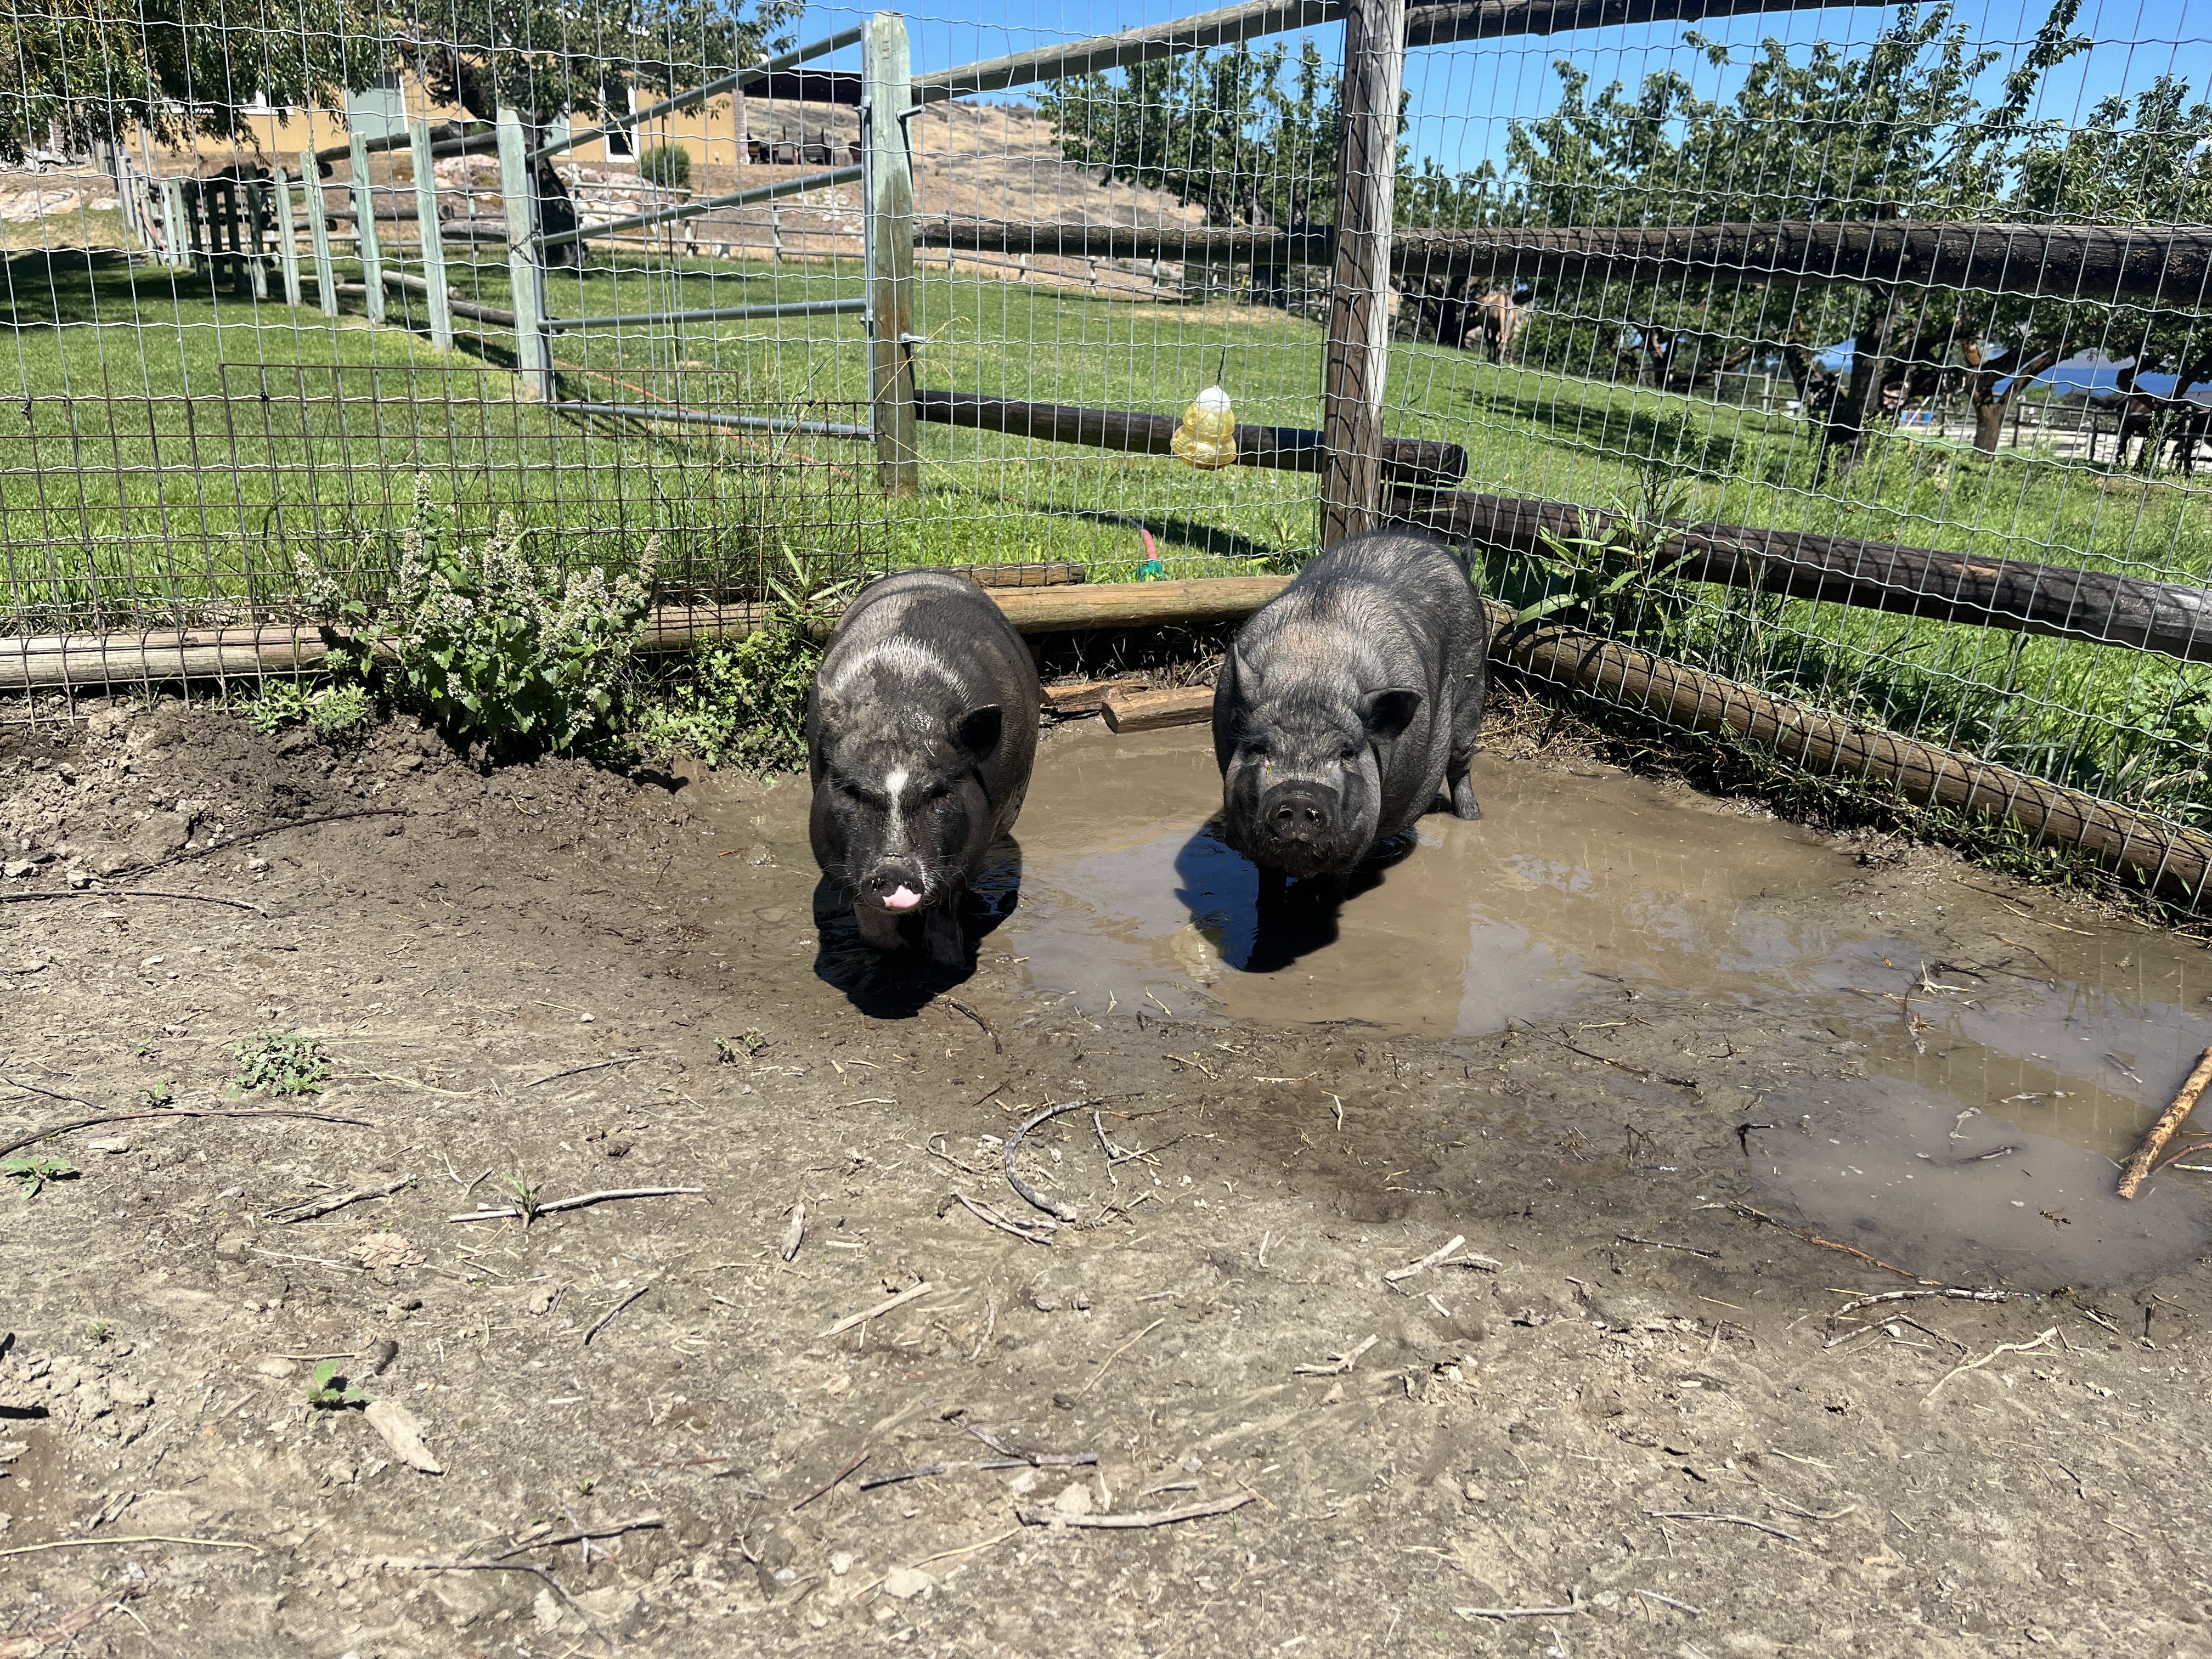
{"x": 1464, "y": 804}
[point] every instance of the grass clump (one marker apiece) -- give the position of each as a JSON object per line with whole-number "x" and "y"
{"x": 281, "y": 1065}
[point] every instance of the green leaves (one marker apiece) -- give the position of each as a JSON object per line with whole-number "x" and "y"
{"x": 329, "y": 1389}
{"x": 34, "y": 1173}
{"x": 282, "y": 1066}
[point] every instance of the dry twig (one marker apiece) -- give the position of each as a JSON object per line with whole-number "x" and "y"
{"x": 1730, "y": 1520}
{"x": 2138, "y": 1166}
{"x": 1574, "y": 1605}
{"x": 608, "y": 1317}
{"x": 850, "y": 1321}
{"x": 1750, "y": 1214}
{"x": 1976, "y": 1365}
{"x": 30, "y": 1136}
{"x": 510, "y": 1212}
{"x": 308, "y": 1209}
{"x": 133, "y": 892}
{"x": 1040, "y": 1518}
{"x": 1013, "y": 1143}
{"x": 579, "y": 1071}
{"x": 830, "y": 1484}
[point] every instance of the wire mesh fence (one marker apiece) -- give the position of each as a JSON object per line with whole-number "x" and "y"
{"x": 1859, "y": 355}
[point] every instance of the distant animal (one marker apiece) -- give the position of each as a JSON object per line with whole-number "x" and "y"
{"x": 921, "y": 736}
{"x": 1348, "y": 702}
{"x": 2157, "y": 422}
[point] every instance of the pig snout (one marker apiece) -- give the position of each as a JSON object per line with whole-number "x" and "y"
{"x": 895, "y": 886}
{"x": 1298, "y": 824}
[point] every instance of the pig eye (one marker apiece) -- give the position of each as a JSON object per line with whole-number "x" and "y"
{"x": 854, "y": 792}
{"x": 1349, "y": 752}
{"x": 1257, "y": 746}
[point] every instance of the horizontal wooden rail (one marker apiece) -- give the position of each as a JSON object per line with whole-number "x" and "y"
{"x": 1417, "y": 463}
{"x": 2167, "y": 265}
{"x": 2059, "y": 601}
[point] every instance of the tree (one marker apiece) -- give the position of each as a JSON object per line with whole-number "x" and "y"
{"x": 95, "y": 70}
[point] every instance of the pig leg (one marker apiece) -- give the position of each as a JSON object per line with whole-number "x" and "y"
{"x": 940, "y": 930}
{"x": 1464, "y": 804}
{"x": 879, "y": 929}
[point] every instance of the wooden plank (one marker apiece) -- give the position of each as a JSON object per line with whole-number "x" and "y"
{"x": 257, "y": 218}
{"x": 172, "y": 223}
{"x": 1149, "y": 711}
{"x": 199, "y": 226}
{"x": 433, "y": 242}
{"x": 889, "y": 189}
{"x": 287, "y": 239}
{"x": 1089, "y": 696}
{"x": 364, "y": 222}
{"x": 1419, "y": 463}
{"x": 1356, "y": 366}
{"x": 2058, "y": 601}
{"x": 318, "y": 235}
{"x": 1136, "y": 604}
{"x": 526, "y": 268}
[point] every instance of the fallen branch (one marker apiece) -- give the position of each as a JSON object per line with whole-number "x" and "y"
{"x": 1337, "y": 1363}
{"x": 1013, "y": 1143}
{"x": 643, "y": 1523}
{"x": 1117, "y": 1354}
{"x": 32, "y": 1088}
{"x": 991, "y": 1218}
{"x": 862, "y": 1456}
{"x": 579, "y": 1071}
{"x": 512, "y": 1212}
{"x": 850, "y": 1321}
{"x": 136, "y": 1538}
{"x": 1729, "y": 1520}
{"x": 229, "y": 841}
{"x": 1944, "y": 1292}
{"x": 308, "y": 1209}
{"x": 1750, "y": 1214}
{"x": 1034, "y": 1517}
{"x": 30, "y": 1643}
{"x": 1976, "y": 1365}
{"x": 1574, "y": 1605}
{"x": 1427, "y": 1261}
{"x": 958, "y": 1006}
{"x": 1039, "y": 1460}
{"x": 607, "y": 1318}
{"x": 502, "y": 1564}
{"x": 50, "y": 1129}
{"x": 132, "y": 892}
{"x": 2138, "y": 1166}
{"x": 1662, "y": 1244}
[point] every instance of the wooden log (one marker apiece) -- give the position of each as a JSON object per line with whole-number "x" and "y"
{"x": 469, "y": 308}
{"x": 2058, "y": 601}
{"x": 359, "y": 196}
{"x": 1136, "y": 604}
{"x": 1413, "y": 462}
{"x": 433, "y": 242}
{"x": 889, "y": 187}
{"x": 2144, "y": 1159}
{"x": 1046, "y": 572}
{"x": 1149, "y": 711}
{"x": 1089, "y": 696}
{"x": 1355, "y": 365}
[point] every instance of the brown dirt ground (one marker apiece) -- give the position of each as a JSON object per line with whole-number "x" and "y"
{"x": 1512, "y": 1438}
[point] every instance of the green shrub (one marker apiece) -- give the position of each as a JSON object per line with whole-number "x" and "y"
{"x": 668, "y": 165}
{"x": 743, "y": 704}
{"x": 331, "y": 711}
{"x": 493, "y": 652}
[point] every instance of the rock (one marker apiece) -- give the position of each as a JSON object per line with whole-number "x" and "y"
{"x": 15, "y": 869}
{"x": 108, "y": 1144}
{"x": 840, "y": 1562}
{"x": 545, "y": 1612}
{"x": 276, "y": 1365}
{"x": 1074, "y": 1498}
{"x": 907, "y": 1582}
{"x": 232, "y": 1247}
{"x": 403, "y": 1432}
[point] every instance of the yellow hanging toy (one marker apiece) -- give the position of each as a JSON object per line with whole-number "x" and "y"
{"x": 1206, "y": 435}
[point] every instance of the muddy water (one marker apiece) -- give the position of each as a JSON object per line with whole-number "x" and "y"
{"x": 1969, "y": 1129}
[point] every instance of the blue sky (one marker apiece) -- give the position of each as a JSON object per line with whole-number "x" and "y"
{"x": 1464, "y": 96}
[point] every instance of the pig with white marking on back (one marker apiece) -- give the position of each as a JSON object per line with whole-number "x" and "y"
{"x": 921, "y": 732}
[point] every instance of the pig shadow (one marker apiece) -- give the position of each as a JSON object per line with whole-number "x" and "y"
{"x": 1262, "y": 926}
{"x": 899, "y": 984}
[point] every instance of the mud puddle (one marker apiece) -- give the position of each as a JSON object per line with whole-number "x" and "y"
{"x": 1964, "y": 1118}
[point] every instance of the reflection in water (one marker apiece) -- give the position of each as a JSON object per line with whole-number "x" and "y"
{"x": 1259, "y": 924}
{"x": 897, "y": 984}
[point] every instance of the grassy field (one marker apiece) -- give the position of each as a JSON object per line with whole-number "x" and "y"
{"x": 179, "y": 449}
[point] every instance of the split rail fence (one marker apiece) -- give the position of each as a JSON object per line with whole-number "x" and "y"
{"x": 1446, "y": 292}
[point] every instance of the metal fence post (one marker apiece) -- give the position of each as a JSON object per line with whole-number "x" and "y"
{"x": 364, "y": 224}
{"x": 1353, "y": 372}
{"x": 887, "y": 68}
{"x": 525, "y": 265}
{"x": 434, "y": 247}
{"x": 318, "y": 234}
{"x": 288, "y": 239}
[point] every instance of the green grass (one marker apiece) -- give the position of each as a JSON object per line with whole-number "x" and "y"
{"x": 176, "y": 448}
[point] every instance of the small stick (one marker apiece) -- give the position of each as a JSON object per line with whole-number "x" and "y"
{"x": 508, "y": 1211}
{"x": 607, "y": 1318}
{"x": 795, "y": 1234}
{"x": 877, "y": 1312}
{"x": 133, "y": 892}
{"x": 531, "y": 1567}
{"x": 1574, "y": 1605}
{"x": 23, "y": 1140}
{"x": 1947, "y": 1292}
{"x": 309, "y": 1209}
{"x": 1694, "y": 1612}
{"x": 1662, "y": 1244}
{"x": 578, "y": 1070}
{"x": 1137, "y": 1518}
{"x": 2138, "y": 1166}
{"x": 642, "y": 1524}
{"x": 1013, "y": 1143}
{"x": 1339, "y": 1363}
{"x": 229, "y": 841}
{"x": 997, "y": 1047}
{"x": 32, "y": 1088}
{"x": 1731, "y": 1520}
{"x": 1427, "y": 1261}
{"x": 139, "y": 1538}
{"x": 1750, "y": 1214}
{"x": 862, "y": 1456}
{"x": 1117, "y": 1354}
{"x": 1976, "y": 1365}
{"x": 33, "y": 1641}
{"x": 1042, "y": 1460}
{"x": 991, "y": 1218}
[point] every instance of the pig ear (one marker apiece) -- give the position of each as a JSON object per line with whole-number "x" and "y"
{"x": 1248, "y": 675}
{"x": 1390, "y": 713}
{"x": 980, "y": 728}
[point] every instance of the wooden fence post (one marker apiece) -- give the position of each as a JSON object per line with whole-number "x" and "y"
{"x": 199, "y": 227}
{"x": 434, "y": 247}
{"x": 889, "y": 184}
{"x": 525, "y": 265}
{"x": 288, "y": 239}
{"x": 364, "y": 224}
{"x": 172, "y": 222}
{"x": 1353, "y": 373}
{"x": 318, "y": 234}
{"x": 256, "y": 238}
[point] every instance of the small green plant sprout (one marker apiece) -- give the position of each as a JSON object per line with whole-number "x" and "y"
{"x": 36, "y": 1173}
{"x": 282, "y": 1066}
{"x": 99, "y": 1330}
{"x": 330, "y": 1389}
{"x": 524, "y": 1192}
{"x": 754, "y": 1040}
{"x": 163, "y": 1093}
{"x": 584, "y": 1487}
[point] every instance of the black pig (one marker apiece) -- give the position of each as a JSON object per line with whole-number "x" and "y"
{"x": 920, "y": 735}
{"x": 1347, "y": 702}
